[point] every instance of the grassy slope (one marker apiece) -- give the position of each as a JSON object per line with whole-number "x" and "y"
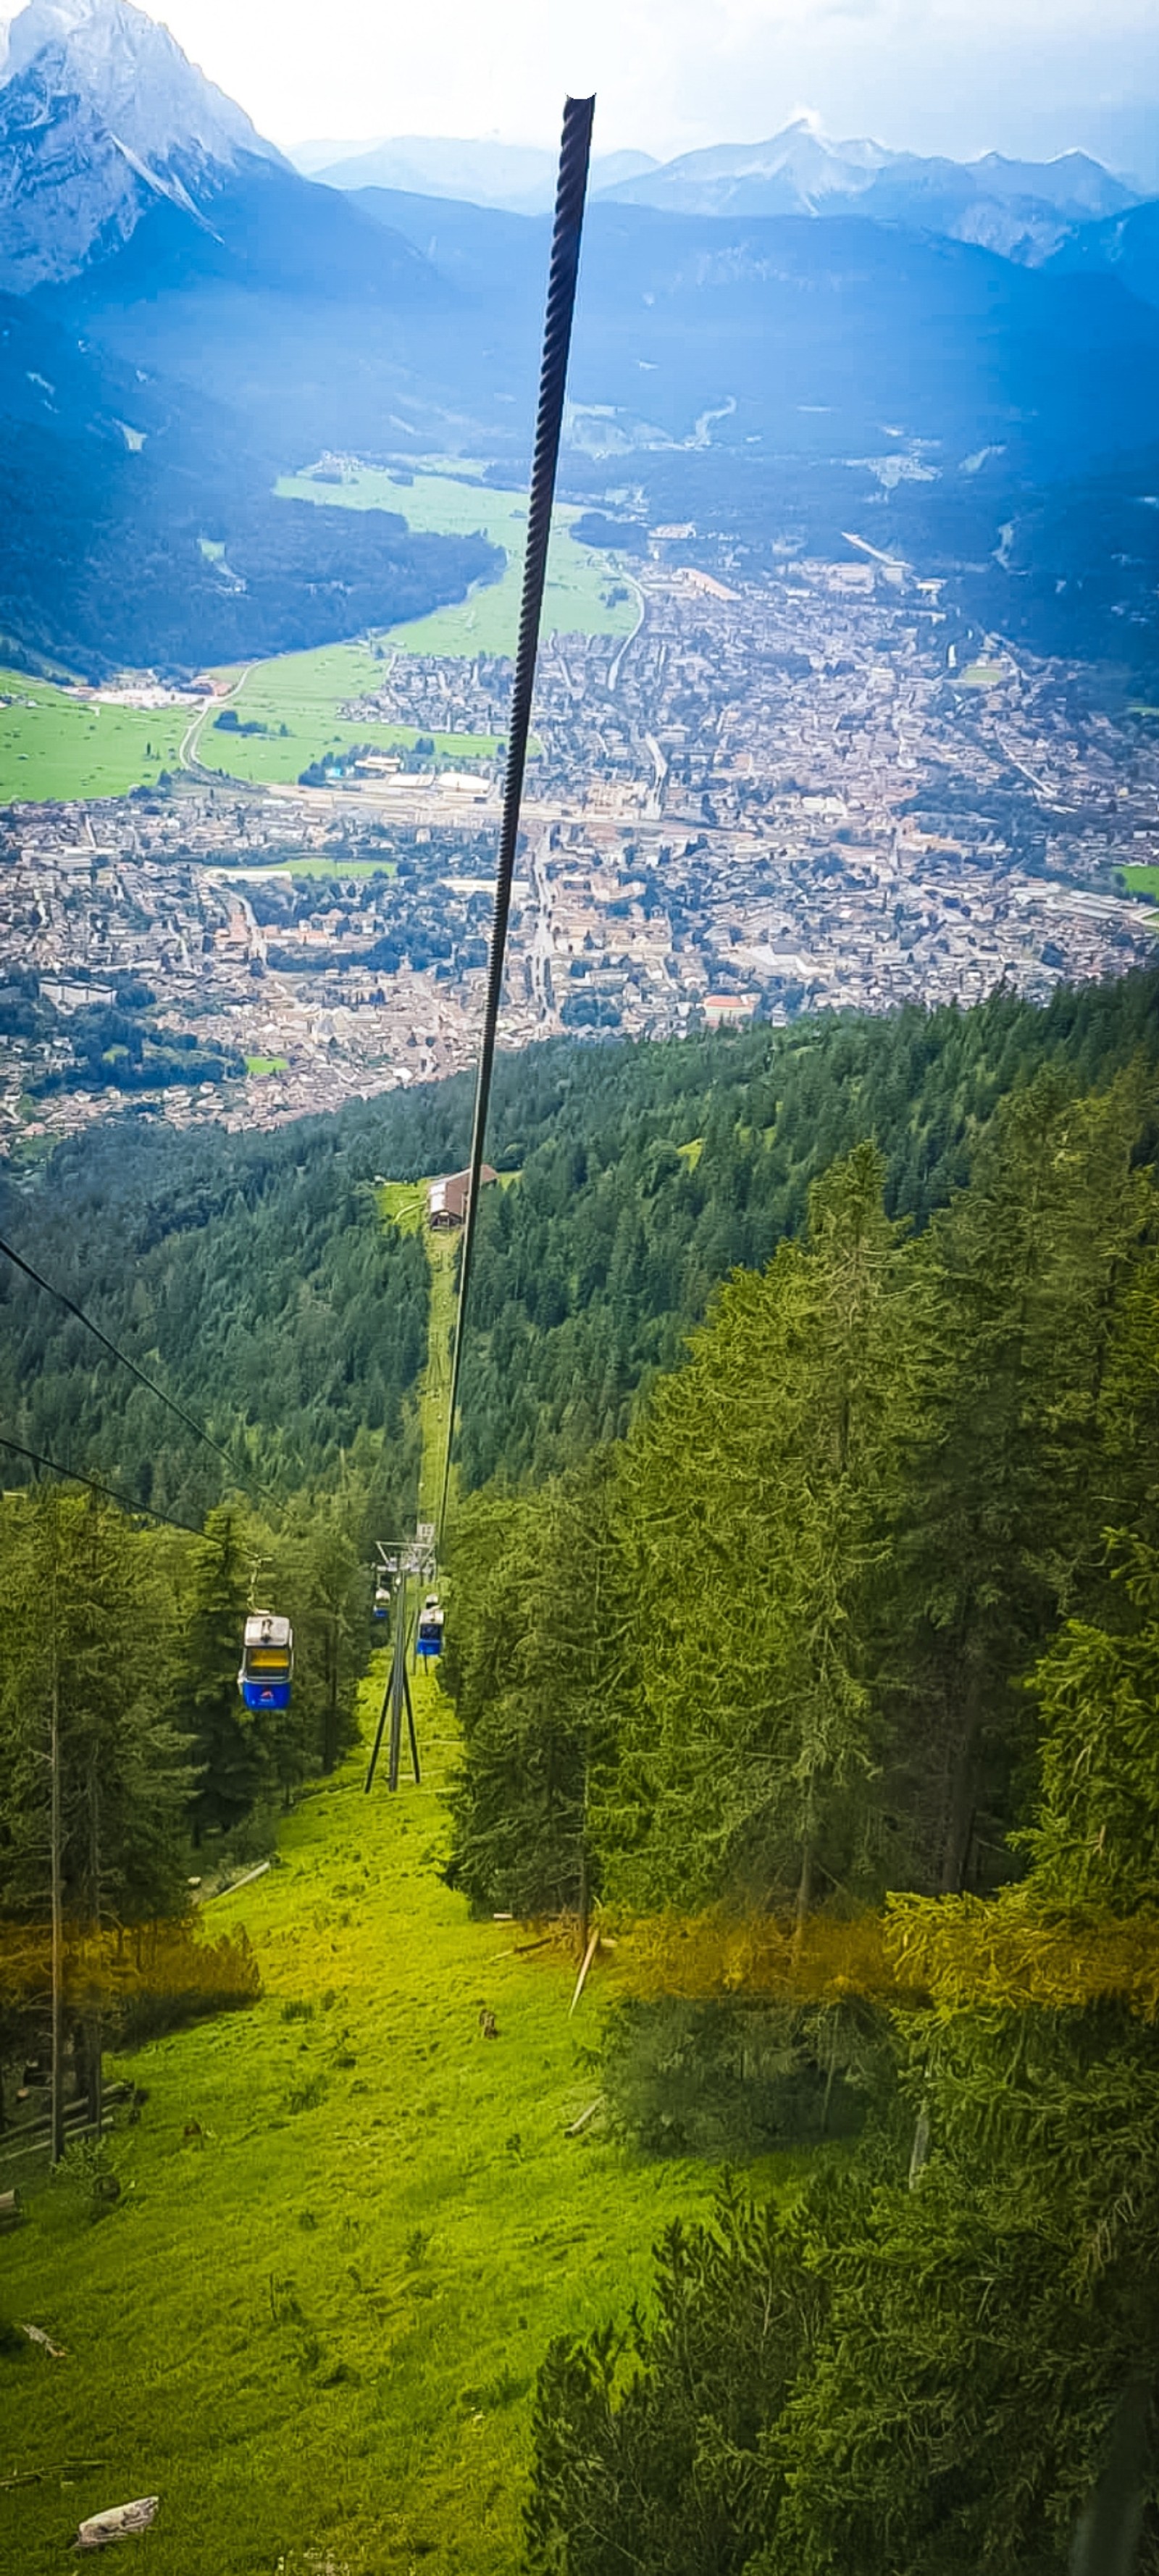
{"x": 435, "y": 1392}
{"x": 322, "y": 2326}
{"x": 578, "y": 577}
{"x": 54, "y": 744}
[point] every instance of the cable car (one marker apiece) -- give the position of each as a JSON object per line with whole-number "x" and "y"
{"x": 380, "y": 1606}
{"x": 429, "y": 1639}
{"x": 267, "y": 1661}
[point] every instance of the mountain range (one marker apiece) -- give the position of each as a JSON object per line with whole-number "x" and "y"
{"x": 1024, "y": 209}
{"x": 219, "y": 317}
{"x": 518, "y": 177}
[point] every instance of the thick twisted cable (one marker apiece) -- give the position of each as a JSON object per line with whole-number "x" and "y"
{"x": 571, "y": 190}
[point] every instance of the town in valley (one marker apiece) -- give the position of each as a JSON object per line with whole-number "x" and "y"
{"x": 797, "y": 790}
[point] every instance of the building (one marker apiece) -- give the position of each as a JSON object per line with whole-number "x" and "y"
{"x": 447, "y": 1199}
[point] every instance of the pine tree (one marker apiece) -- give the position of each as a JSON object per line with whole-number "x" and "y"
{"x": 87, "y": 1602}
{"x": 539, "y": 1631}
{"x": 231, "y": 1744}
{"x": 1004, "y": 1509}
{"x": 756, "y": 1490}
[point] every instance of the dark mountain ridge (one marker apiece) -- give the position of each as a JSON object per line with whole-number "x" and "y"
{"x": 285, "y": 318}
{"x": 1125, "y": 247}
{"x": 883, "y": 339}
{"x": 110, "y": 477}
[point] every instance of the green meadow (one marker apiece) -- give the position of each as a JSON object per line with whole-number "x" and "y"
{"x": 313, "y": 2322}
{"x": 333, "y": 868}
{"x": 56, "y": 745}
{"x": 1140, "y": 880}
{"x": 302, "y": 692}
{"x": 579, "y": 579}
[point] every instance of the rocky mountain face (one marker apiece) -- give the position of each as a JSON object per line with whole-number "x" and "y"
{"x": 101, "y": 117}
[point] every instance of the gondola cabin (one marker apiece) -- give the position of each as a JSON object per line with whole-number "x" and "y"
{"x": 380, "y": 1606}
{"x": 267, "y": 1661}
{"x": 429, "y": 1639}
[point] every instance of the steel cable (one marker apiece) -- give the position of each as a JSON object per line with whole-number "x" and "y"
{"x": 571, "y": 190}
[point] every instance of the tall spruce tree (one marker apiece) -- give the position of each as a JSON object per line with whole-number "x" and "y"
{"x": 540, "y": 1636}
{"x": 1001, "y": 1522}
{"x": 757, "y": 1488}
{"x": 87, "y": 1604}
{"x": 231, "y": 1744}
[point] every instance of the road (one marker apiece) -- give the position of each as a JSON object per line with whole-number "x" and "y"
{"x": 542, "y": 940}
{"x": 192, "y": 735}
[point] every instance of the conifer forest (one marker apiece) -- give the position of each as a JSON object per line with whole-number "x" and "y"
{"x": 802, "y": 1597}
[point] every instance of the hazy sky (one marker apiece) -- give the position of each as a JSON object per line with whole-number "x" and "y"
{"x": 962, "y": 76}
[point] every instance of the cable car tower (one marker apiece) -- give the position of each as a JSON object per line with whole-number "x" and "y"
{"x": 400, "y": 1561}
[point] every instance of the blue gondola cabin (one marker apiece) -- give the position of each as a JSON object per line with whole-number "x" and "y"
{"x": 429, "y": 1640}
{"x": 267, "y": 1661}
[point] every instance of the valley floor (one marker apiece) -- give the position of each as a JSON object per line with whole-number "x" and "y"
{"x": 314, "y": 2328}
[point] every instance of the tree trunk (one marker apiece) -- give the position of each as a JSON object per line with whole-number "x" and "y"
{"x": 960, "y": 1807}
{"x": 94, "y": 2068}
{"x": 804, "y": 1894}
{"x": 330, "y": 1735}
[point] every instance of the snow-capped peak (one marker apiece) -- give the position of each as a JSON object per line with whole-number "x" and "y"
{"x": 131, "y": 73}
{"x": 99, "y": 112}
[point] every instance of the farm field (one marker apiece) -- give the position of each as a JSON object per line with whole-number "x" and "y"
{"x": 330, "y": 868}
{"x": 1141, "y": 880}
{"x": 315, "y": 2325}
{"x": 302, "y": 693}
{"x": 56, "y": 745}
{"x": 580, "y": 581}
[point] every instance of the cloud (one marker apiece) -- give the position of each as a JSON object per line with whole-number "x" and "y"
{"x": 947, "y": 75}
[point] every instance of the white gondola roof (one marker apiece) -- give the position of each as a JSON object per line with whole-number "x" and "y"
{"x": 265, "y": 1628}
